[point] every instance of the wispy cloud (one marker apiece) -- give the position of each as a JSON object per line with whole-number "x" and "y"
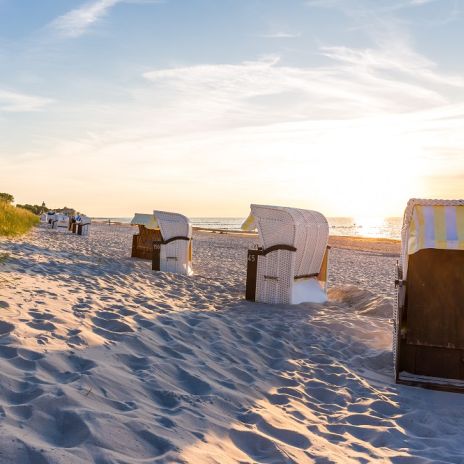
{"x": 355, "y": 83}
{"x": 14, "y": 102}
{"x": 382, "y": 5}
{"x": 280, "y": 35}
{"x": 397, "y": 58}
{"x": 343, "y": 118}
{"x": 421, "y": 2}
{"x": 76, "y": 22}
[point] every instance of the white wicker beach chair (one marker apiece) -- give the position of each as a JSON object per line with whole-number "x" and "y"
{"x": 50, "y": 219}
{"x": 83, "y": 226}
{"x": 428, "y": 339}
{"x": 286, "y": 268}
{"x": 175, "y": 248}
{"x": 60, "y": 223}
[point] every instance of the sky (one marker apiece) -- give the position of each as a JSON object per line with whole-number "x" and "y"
{"x": 348, "y": 107}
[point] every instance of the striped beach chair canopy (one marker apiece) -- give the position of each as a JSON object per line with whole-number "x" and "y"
{"x": 306, "y": 230}
{"x": 431, "y": 224}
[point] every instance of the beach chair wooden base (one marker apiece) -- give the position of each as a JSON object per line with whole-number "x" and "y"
{"x": 142, "y": 243}
{"x": 430, "y": 336}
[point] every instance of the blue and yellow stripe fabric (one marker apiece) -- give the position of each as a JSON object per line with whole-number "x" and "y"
{"x": 436, "y": 226}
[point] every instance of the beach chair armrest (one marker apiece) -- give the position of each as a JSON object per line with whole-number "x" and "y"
{"x": 172, "y": 239}
{"x": 272, "y": 248}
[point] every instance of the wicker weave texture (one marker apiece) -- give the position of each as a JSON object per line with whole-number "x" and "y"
{"x": 60, "y": 223}
{"x": 85, "y": 221}
{"x": 307, "y": 231}
{"x": 174, "y": 256}
{"x": 173, "y": 225}
{"x": 275, "y": 277}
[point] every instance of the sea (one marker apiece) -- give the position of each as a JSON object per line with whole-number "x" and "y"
{"x": 353, "y": 227}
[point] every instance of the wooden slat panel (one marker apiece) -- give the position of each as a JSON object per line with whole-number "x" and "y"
{"x": 142, "y": 243}
{"x": 438, "y": 362}
{"x": 435, "y": 292}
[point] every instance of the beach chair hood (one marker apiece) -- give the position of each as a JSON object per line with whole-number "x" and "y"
{"x": 306, "y": 230}
{"x": 435, "y": 224}
{"x": 147, "y": 220}
{"x": 173, "y": 224}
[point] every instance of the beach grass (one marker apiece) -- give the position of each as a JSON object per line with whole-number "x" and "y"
{"x": 15, "y": 221}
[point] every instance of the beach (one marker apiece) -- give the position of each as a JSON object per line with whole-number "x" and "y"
{"x": 104, "y": 361}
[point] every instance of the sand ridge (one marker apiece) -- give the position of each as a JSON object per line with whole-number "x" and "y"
{"x": 104, "y": 361}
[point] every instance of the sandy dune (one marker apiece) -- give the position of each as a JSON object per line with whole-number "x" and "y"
{"x": 103, "y": 361}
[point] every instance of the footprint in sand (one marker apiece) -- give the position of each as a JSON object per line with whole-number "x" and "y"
{"x": 66, "y": 429}
{"x": 22, "y": 411}
{"x": 278, "y": 400}
{"x": 165, "y": 399}
{"x": 259, "y": 448}
{"x": 110, "y": 328}
{"x": 42, "y": 325}
{"x": 166, "y": 422}
{"x": 24, "y": 364}
{"x": 143, "y": 322}
{"x": 6, "y": 328}
{"x": 135, "y": 363}
{"x": 158, "y": 444}
{"x": 27, "y": 393}
{"x": 290, "y": 437}
{"x": 43, "y": 316}
{"x": 192, "y": 384}
{"x": 123, "y": 406}
{"x": 7, "y": 352}
{"x": 81, "y": 365}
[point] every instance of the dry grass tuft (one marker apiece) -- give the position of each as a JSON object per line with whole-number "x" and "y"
{"x": 15, "y": 221}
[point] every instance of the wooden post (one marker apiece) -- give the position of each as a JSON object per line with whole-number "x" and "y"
{"x": 252, "y": 270}
{"x": 134, "y": 246}
{"x": 324, "y": 273}
{"x": 155, "y": 265}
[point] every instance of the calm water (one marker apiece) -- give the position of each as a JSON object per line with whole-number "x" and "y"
{"x": 382, "y": 227}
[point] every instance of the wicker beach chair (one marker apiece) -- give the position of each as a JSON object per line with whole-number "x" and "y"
{"x": 143, "y": 242}
{"x": 428, "y": 339}
{"x": 50, "y": 219}
{"x": 60, "y": 223}
{"x": 290, "y": 264}
{"x": 82, "y": 226}
{"x": 173, "y": 252}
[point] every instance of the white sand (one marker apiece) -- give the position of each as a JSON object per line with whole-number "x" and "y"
{"x": 103, "y": 361}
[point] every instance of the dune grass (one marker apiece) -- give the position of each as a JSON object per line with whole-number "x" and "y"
{"x": 15, "y": 221}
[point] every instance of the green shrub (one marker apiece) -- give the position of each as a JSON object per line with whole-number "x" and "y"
{"x": 15, "y": 221}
